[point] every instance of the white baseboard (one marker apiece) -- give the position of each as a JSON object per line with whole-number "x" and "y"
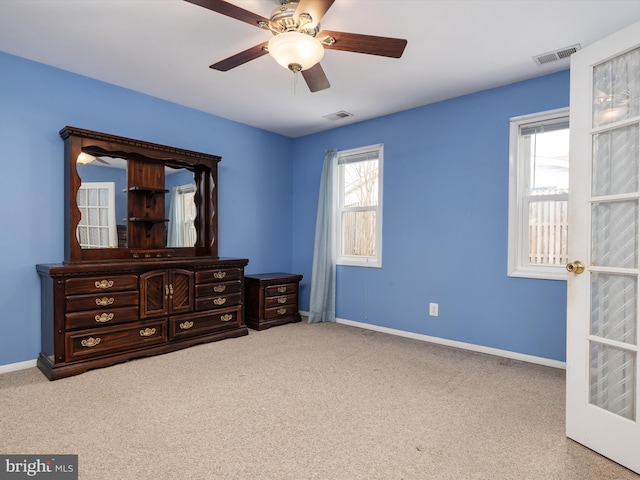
{"x": 453, "y": 343}
{"x": 12, "y": 367}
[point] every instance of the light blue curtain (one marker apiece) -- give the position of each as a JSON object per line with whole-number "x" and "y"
{"x": 322, "y": 307}
{"x": 174, "y": 232}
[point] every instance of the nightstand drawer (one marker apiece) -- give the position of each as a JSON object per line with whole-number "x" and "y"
{"x": 277, "y": 290}
{"x": 281, "y": 300}
{"x": 284, "y": 311}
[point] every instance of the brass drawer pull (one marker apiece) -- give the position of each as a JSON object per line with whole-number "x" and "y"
{"x": 147, "y": 332}
{"x": 186, "y": 325}
{"x": 104, "y": 284}
{"x": 104, "y": 318}
{"x": 226, "y": 317}
{"x": 219, "y": 275}
{"x": 282, "y": 311}
{"x": 282, "y": 299}
{"x": 90, "y": 342}
{"x": 220, "y": 300}
{"x": 282, "y": 289}
{"x": 219, "y": 288}
{"x": 104, "y": 301}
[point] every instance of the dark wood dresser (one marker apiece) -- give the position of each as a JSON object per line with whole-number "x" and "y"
{"x": 102, "y": 314}
{"x": 271, "y": 299}
{"x": 138, "y": 278}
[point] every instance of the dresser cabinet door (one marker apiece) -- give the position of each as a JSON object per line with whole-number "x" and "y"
{"x": 180, "y": 291}
{"x": 154, "y": 294}
{"x": 166, "y": 292}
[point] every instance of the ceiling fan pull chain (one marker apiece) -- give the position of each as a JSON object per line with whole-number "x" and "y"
{"x": 295, "y": 81}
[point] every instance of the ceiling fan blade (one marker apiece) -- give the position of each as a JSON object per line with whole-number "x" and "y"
{"x": 315, "y": 8}
{"x": 369, "y": 44}
{"x": 315, "y": 78}
{"x": 241, "y": 58}
{"x": 230, "y": 10}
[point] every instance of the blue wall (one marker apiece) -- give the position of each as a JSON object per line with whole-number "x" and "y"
{"x": 36, "y": 101}
{"x": 446, "y": 170}
{"x": 445, "y": 211}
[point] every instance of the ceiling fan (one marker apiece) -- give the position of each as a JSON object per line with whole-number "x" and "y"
{"x": 297, "y": 42}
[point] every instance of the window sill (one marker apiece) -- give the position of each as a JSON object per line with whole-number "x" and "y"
{"x": 541, "y": 274}
{"x": 367, "y": 262}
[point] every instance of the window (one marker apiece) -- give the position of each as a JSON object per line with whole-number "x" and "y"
{"x": 538, "y": 195}
{"x": 97, "y": 226}
{"x": 182, "y": 213}
{"x": 359, "y": 213}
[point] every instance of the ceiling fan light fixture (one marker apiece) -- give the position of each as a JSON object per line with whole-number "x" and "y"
{"x": 85, "y": 158}
{"x": 296, "y": 51}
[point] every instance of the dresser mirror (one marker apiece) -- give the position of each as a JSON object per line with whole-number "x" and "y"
{"x": 129, "y": 199}
{"x": 102, "y": 201}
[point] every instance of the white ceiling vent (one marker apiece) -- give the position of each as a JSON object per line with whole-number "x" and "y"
{"x": 556, "y": 54}
{"x": 338, "y": 115}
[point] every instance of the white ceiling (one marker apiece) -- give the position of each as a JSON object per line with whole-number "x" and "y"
{"x": 164, "y": 48}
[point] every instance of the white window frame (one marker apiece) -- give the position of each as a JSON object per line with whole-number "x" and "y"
{"x": 374, "y": 261}
{"x": 518, "y": 247}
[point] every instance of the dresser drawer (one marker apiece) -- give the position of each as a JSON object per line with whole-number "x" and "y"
{"x": 107, "y": 283}
{"x": 76, "y": 303}
{"x": 220, "y": 275}
{"x": 281, "y": 300}
{"x": 221, "y": 301}
{"x": 217, "y": 289}
{"x": 201, "y": 323}
{"x": 100, "y": 318}
{"x": 101, "y": 341}
{"x": 277, "y": 290}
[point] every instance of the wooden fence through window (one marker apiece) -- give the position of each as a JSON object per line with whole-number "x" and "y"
{"x": 548, "y": 232}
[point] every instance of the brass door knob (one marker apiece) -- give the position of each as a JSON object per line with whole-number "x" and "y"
{"x": 575, "y": 267}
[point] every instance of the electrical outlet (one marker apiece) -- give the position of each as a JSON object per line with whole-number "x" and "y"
{"x": 433, "y": 309}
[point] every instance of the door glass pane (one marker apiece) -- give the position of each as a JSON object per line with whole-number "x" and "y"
{"x": 614, "y": 232}
{"x": 616, "y": 87}
{"x": 615, "y": 161}
{"x": 612, "y": 379}
{"x": 614, "y": 306}
{"x": 97, "y": 226}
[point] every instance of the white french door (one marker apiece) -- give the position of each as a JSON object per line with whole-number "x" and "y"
{"x": 603, "y": 401}
{"x": 97, "y": 226}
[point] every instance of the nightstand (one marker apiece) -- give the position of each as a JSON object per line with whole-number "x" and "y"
{"x": 271, "y": 299}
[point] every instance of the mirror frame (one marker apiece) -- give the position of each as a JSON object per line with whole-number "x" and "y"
{"x": 205, "y": 171}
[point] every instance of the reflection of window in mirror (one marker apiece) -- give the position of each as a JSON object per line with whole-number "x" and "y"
{"x": 97, "y": 227}
{"x": 182, "y": 212}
